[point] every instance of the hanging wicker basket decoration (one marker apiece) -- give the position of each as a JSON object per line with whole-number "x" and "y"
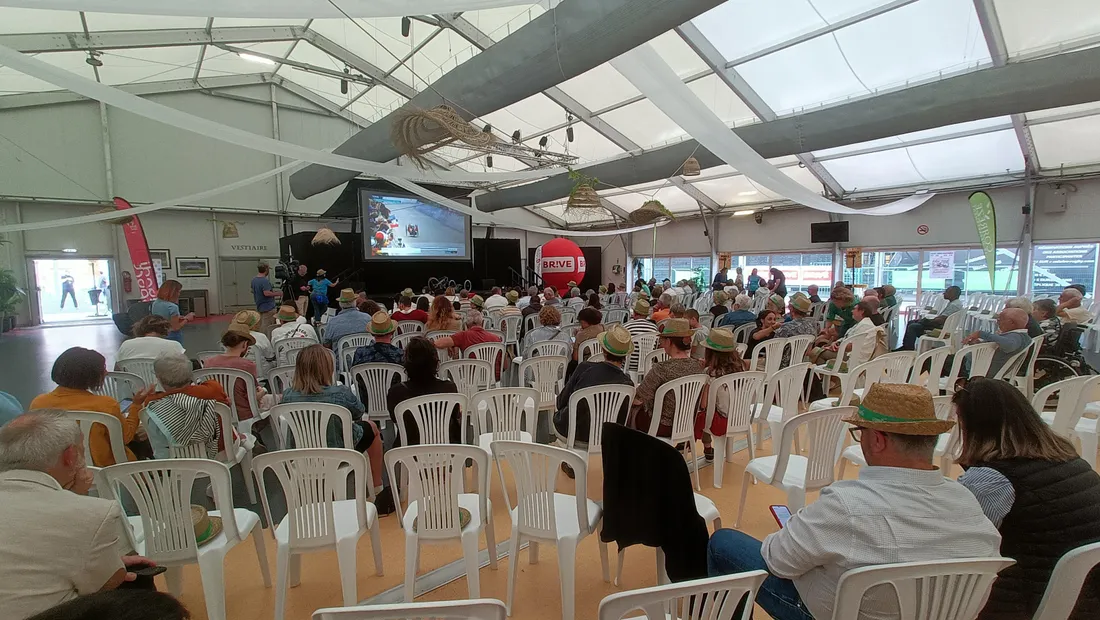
{"x": 649, "y": 212}
{"x": 229, "y": 230}
{"x": 325, "y": 236}
{"x": 583, "y": 197}
{"x": 121, "y": 221}
{"x": 416, "y": 133}
{"x": 691, "y": 167}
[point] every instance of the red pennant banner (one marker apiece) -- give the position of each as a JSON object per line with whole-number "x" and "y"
{"x": 139, "y": 254}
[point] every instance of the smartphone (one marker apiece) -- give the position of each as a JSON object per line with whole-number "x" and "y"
{"x": 147, "y": 571}
{"x": 125, "y": 403}
{"x": 781, "y": 513}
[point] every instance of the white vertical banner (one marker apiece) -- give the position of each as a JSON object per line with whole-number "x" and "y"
{"x": 941, "y": 265}
{"x": 158, "y": 269}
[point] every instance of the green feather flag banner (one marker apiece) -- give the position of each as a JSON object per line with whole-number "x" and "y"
{"x": 985, "y": 219}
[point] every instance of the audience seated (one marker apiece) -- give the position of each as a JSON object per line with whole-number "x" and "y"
{"x": 591, "y": 324}
{"x": 888, "y": 299}
{"x": 350, "y": 320}
{"x": 811, "y": 292}
{"x": 424, "y": 304}
{"x": 916, "y": 329}
{"x": 1023, "y": 303}
{"x": 719, "y": 299}
{"x": 1030, "y": 482}
{"x": 406, "y": 311}
{"x": 312, "y": 383}
{"x": 1011, "y": 337}
{"x": 183, "y": 414}
{"x": 826, "y": 348}
{"x": 474, "y": 333}
{"x": 150, "y": 341}
{"x": 60, "y": 543}
{"x": 237, "y": 342}
{"x": 575, "y": 300}
{"x": 534, "y": 302}
{"x": 839, "y": 310}
{"x": 901, "y": 509}
{"x": 248, "y": 320}
{"x": 719, "y": 359}
{"x": 290, "y": 325}
{"x": 550, "y": 297}
{"x": 442, "y": 316}
{"x": 1070, "y": 308}
{"x": 549, "y": 329}
{"x": 742, "y": 312}
{"x": 675, "y": 339}
{"x": 594, "y": 302}
{"x": 422, "y": 368}
{"x": 1067, "y": 349}
{"x": 382, "y": 328}
{"x": 801, "y": 324}
{"x": 496, "y": 299}
{"x": 511, "y": 309}
{"x": 639, "y": 322}
{"x": 121, "y": 604}
{"x": 767, "y": 321}
{"x": 77, "y": 372}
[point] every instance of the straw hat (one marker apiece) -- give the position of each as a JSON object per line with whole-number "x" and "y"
{"x": 247, "y": 318}
{"x": 801, "y": 303}
{"x": 676, "y": 328}
{"x": 477, "y": 301}
{"x": 512, "y": 296}
{"x": 206, "y": 527}
{"x": 720, "y": 339}
{"x": 616, "y": 341}
{"x": 776, "y": 300}
{"x": 603, "y": 289}
{"x": 641, "y": 307}
{"x": 720, "y": 298}
{"x": 381, "y": 324}
{"x": 287, "y": 313}
{"x": 347, "y": 295}
{"x": 243, "y": 331}
{"x": 571, "y": 283}
{"x": 408, "y": 292}
{"x": 899, "y": 408}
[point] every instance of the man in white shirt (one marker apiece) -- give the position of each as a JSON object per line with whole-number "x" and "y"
{"x": 151, "y": 340}
{"x": 575, "y": 301}
{"x": 1070, "y": 308}
{"x": 901, "y": 509}
{"x": 496, "y": 300}
{"x": 60, "y": 544}
{"x": 291, "y": 325}
{"x": 916, "y": 329}
{"x": 525, "y": 301}
{"x": 1011, "y": 338}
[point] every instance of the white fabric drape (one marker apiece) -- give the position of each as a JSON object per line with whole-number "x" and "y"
{"x": 232, "y": 135}
{"x": 649, "y": 73}
{"x": 294, "y": 9}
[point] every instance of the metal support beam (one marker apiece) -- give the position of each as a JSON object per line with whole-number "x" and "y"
{"x": 290, "y": 49}
{"x": 304, "y": 66}
{"x": 202, "y": 49}
{"x": 696, "y": 193}
{"x": 714, "y": 59}
{"x": 359, "y": 64}
{"x": 483, "y": 41}
{"x": 27, "y": 100}
{"x": 108, "y": 168}
{"x": 279, "y": 203}
{"x": 998, "y": 50}
{"x": 130, "y": 39}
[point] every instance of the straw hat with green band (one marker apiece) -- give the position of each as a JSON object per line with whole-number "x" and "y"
{"x": 720, "y": 339}
{"x": 381, "y": 324}
{"x": 206, "y": 527}
{"x": 287, "y": 313}
{"x": 801, "y": 303}
{"x": 407, "y": 293}
{"x": 616, "y": 341}
{"x": 248, "y": 318}
{"x": 641, "y": 307}
{"x": 347, "y": 295}
{"x": 899, "y": 408}
{"x": 477, "y": 301}
{"x": 676, "y": 328}
{"x": 512, "y": 296}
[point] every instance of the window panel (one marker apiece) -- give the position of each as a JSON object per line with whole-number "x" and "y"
{"x": 387, "y": 31}
{"x": 725, "y": 104}
{"x": 14, "y": 20}
{"x": 916, "y": 135}
{"x": 1030, "y": 25}
{"x": 156, "y": 63}
{"x": 1068, "y": 143}
{"x": 683, "y": 60}
{"x": 971, "y": 273}
{"x": 499, "y": 23}
{"x": 1054, "y": 267}
{"x": 599, "y": 87}
{"x": 643, "y": 123}
{"x": 12, "y": 81}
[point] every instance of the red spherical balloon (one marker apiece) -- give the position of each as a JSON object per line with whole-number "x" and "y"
{"x": 559, "y": 261}
{"x": 380, "y": 235}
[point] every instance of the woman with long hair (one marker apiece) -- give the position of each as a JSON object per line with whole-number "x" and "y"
{"x": 237, "y": 341}
{"x": 442, "y": 315}
{"x": 778, "y": 284}
{"x": 422, "y": 370}
{"x": 1031, "y": 483}
{"x": 167, "y": 305}
{"x": 594, "y": 301}
{"x": 766, "y": 324}
{"x": 720, "y": 358}
{"x": 312, "y": 383}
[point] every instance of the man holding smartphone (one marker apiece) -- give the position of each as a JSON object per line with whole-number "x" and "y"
{"x": 61, "y": 543}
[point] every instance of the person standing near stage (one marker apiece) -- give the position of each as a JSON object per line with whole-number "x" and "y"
{"x": 68, "y": 289}
{"x": 299, "y": 289}
{"x": 264, "y": 296}
{"x": 318, "y": 294}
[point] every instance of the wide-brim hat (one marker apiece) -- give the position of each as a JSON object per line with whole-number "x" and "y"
{"x": 407, "y": 293}
{"x": 602, "y": 288}
{"x": 243, "y": 331}
{"x": 321, "y": 272}
{"x": 477, "y": 301}
{"x": 616, "y": 341}
{"x": 381, "y": 324}
{"x": 720, "y": 298}
{"x": 720, "y": 339}
{"x": 206, "y": 527}
{"x": 287, "y": 313}
{"x": 676, "y": 328}
{"x": 776, "y": 300}
{"x": 571, "y": 283}
{"x": 801, "y": 303}
{"x": 641, "y": 307}
{"x": 347, "y": 295}
{"x": 899, "y": 408}
{"x": 247, "y": 318}
{"x": 512, "y": 296}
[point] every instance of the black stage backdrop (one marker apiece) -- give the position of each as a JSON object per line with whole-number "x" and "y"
{"x": 593, "y": 266}
{"x": 492, "y": 259}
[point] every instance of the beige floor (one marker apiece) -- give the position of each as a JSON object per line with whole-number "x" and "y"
{"x": 537, "y": 587}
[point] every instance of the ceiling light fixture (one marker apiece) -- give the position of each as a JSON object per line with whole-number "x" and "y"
{"x": 344, "y": 83}
{"x": 744, "y": 212}
{"x": 69, "y": 250}
{"x": 543, "y": 141}
{"x": 406, "y": 26}
{"x": 93, "y": 58}
{"x": 751, "y": 192}
{"x": 254, "y": 58}
{"x": 517, "y": 137}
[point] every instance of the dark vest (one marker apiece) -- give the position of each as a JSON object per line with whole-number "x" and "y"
{"x": 1057, "y": 509}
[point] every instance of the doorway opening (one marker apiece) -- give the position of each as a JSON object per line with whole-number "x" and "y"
{"x": 73, "y": 289}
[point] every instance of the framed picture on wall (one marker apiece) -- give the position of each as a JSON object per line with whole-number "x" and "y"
{"x": 195, "y": 267}
{"x": 165, "y": 258}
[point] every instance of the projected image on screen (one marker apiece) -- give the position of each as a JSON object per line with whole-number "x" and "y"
{"x": 408, "y": 227}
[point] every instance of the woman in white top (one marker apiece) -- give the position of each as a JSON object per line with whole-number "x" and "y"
{"x": 150, "y": 340}
{"x": 862, "y": 312}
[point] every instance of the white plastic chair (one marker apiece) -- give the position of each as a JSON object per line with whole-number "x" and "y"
{"x": 741, "y": 333}
{"x": 470, "y": 375}
{"x": 772, "y": 352}
{"x": 551, "y": 347}
{"x": 1065, "y": 583}
{"x": 948, "y": 336}
{"x": 898, "y": 368}
{"x": 401, "y": 340}
{"x": 685, "y": 392}
{"x": 121, "y": 385}
{"x": 798, "y": 346}
{"x": 307, "y": 423}
{"x": 432, "y": 415}
{"x": 436, "y": 491}
{"x": 492, "y": 352}
{"x": 545, "y": 373}
{"x": 981, "y": 355}
{"x": 938, "y": 590}
{"x": 588, "y": 348}
{"x": 568, "y": 316}
{"x": 505, "y": 414}
{"x": 795, "y": 474}
{"x": 615, "y": 315}
{"x": 346, "y": 346}
{"x": 1025, "y": 378}
{"x": 935, "y": 358}
{"x": 88, "y": 419}
{"x": 164, "y": 532}
{"x": 376, "y": 377}
{"x": 643, "y": 344}
{"x": 531, "y": 321}
{"x": 319, "y": 513}
{"x": 649, "y": 360}
{"x": 444, "y": 354}
{"x": 279, "y": 379}
{"x": 851, "y": 351}
{"x": 228, "y": 378}
{"x": 541, "y": 514}
{"x": 713, "y": 598}
{"x": 779, "y": 401}
{"x": 142, "y": 367}
{"x": 738, "y": 392}
{"x": 202, "y": 356}
{"x": 1068, "y": 419}
{"x": 867, "y": 373}
{"x": 409, "y": 327}
{"x": 286, "y": 349}
{"x": 604, "y": 404}
{"x": 481, "y": 609}
{"x": 510, "y": 326}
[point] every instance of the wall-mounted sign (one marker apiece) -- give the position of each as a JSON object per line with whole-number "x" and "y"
{"x": 941, "y": 265}
{"x": 253, "y": 239}
{"x": 922, "y": 229}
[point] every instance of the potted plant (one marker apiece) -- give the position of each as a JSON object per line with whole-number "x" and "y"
{"x": 10, "y": 298}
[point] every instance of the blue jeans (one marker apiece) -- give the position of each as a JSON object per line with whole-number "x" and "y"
{"x": 319, "y": 309}
{"x": 731, "y": 551}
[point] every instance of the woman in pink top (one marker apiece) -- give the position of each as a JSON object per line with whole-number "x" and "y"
{"x": 236, "y": 342}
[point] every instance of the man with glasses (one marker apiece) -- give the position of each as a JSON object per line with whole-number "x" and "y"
{"x": 901, "y": 509}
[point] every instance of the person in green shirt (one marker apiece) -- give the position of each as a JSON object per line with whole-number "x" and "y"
{"x": 887, "y": 297}
{"x": 839, "y": 310}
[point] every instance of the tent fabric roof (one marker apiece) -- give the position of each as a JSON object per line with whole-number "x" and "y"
{"x": 790, "y": 55}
